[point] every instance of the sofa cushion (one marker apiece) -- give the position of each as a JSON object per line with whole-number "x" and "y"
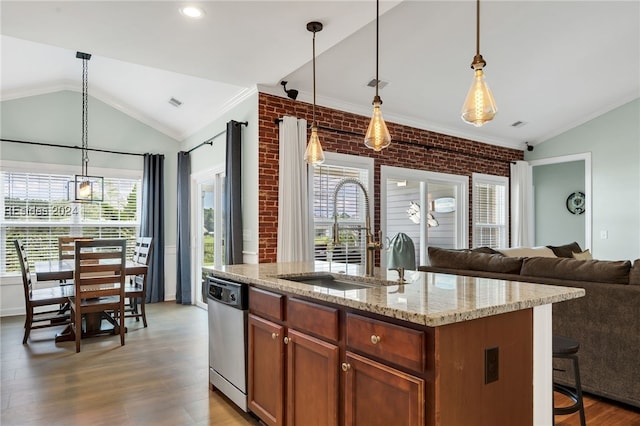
{"x": 566, "y": 250}
{"x": 527, "y": 252}
{"x": 604, "y": 271}
{"x": 634, "y": 274}
{"x": 465, "y": 259}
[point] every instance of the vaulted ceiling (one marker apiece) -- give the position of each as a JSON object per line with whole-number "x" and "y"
{"x": 552, "y": 65}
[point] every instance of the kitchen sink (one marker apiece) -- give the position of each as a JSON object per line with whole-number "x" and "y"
{"x": 329, "y": 281}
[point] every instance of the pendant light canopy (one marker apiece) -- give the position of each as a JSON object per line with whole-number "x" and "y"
{"x": 479, "y": 106}
{"x": 85, "y": 188}
{"x": 313, "y": 154}
{"x": 377, "y": 137}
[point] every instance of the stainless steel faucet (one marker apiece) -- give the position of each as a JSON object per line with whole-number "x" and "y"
{"x": 372, "y": 245}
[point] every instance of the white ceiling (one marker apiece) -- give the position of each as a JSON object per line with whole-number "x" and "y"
{"x": 550, "y": 64}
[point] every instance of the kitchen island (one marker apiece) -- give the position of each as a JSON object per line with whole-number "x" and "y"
{"x": 437, "y": 350}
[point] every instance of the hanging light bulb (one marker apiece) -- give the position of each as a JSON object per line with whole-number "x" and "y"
{"x": 479, "y": 106}
{"x": 377, "y": 137}
{"x": 313, "y": 154}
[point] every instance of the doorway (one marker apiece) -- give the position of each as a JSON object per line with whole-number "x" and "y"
{"x": 555, "y": 180}
{"x": 207, "y": 227}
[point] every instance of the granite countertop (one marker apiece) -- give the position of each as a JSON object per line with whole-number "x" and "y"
{"x": 427, "y": 298}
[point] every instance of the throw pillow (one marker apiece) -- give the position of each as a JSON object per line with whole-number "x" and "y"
{"x": 585, "y": 255}
{"x": 566, "y": 250}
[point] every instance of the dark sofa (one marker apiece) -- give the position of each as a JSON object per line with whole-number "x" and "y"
{"x": 606, "y": 321}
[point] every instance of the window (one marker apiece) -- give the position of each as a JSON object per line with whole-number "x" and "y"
{"x": 490, "y": 204}
{"x": 36, "y": 210}
{"x": 350, "y": 207}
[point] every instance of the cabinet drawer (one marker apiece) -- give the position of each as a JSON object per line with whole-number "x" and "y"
{"x": 399, "y": 345}
{"x": 313, "y": 318}
{"x": 266, "y": 303}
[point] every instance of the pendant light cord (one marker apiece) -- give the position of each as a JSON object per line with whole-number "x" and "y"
{"x": 314, "y": 79}
{"x": 85, "y": 111}
{"x": 477, "y": 27}
{"x": 377, "y": 43}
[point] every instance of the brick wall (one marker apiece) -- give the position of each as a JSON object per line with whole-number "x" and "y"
{"x": 448, "y": 156}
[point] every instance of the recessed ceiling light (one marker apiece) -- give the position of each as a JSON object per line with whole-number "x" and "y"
{"x": 192, "y": 11}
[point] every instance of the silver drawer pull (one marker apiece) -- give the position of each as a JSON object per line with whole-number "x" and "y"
{"x": 375, "y": 339}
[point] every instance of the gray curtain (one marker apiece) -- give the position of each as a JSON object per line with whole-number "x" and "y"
{"x": 152, "y": 224}
{"x": 233, "y": 200}
{"x": 183, "y": 245}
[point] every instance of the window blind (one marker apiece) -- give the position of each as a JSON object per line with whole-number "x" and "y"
{"x": 489, "y": 211}
{"x": 36, "y": 210}
{"x": 350, "y": 208}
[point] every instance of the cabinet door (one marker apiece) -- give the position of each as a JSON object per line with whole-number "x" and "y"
{"x": 266, "y": 370}
{"x": 377, "y": 395}
{"x": 312, "y": 381}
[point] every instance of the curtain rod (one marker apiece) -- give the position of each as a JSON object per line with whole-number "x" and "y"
{"x": 55, "y": 145}
{"x": 277, "y": 121}
{"x": 210, "y": 140}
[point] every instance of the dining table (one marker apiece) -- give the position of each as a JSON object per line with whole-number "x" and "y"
{"x": 61, "y": 270}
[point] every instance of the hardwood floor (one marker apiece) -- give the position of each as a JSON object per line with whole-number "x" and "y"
{"x": 599, "y": 412}
{"x": 159, "y": 377}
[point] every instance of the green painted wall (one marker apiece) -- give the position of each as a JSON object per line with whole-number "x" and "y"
{"x": 613, "y": 139}
{"x": 56, "y": 118}
{"x": 552, "y": 184}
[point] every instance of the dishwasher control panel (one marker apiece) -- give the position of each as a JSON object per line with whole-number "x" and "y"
{"x": 228, "y": 292}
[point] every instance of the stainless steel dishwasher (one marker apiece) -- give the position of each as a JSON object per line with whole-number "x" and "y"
{"x": 227, "y": 303}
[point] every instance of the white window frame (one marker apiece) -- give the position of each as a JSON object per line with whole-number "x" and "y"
{"x": 480, "y": 178}
{"x": 461, "y": 184}
{"x": 342, "y": 160}
{"x": 49, "y": 168}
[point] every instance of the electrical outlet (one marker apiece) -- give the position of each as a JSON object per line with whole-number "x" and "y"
{"x": 491, "y": 364}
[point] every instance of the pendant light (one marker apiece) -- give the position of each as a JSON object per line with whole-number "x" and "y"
{"x": 314, "y": 155}
{"x": 479, "y": 106}
{"x": 86, "y": 188}
{"x": 377, "y": 137}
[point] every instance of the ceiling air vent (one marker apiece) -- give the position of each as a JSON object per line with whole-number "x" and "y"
{"x": 518, "y": 124}
{"x": 381, "y": 84}
{"x": 176, "y": 103}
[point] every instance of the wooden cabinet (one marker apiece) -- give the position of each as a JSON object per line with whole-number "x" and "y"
{"x": 266, "y": 370}
{"x": 378, "y": 395}
{"x": 312, "y": 381}
{"x": 317, "y": 364}
{"x": 308, "y": 365}
{"x": 393, "y": 343}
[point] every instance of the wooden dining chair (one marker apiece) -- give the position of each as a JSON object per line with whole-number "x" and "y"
{"x": 99, "y": 287}
{"x": 136, "y": 286}
{"x": 42, "y": 304}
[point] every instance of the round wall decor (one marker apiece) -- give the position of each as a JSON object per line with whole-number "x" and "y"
{"x": 576, "y": 202}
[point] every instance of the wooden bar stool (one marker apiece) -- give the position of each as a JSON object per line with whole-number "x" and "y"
{"x": 566, "y": 348}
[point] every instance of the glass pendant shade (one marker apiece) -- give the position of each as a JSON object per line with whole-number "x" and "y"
{"x": 314, "y": 155}
{"x": 377, "y": 137}
{"x": 479, "y": 106}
